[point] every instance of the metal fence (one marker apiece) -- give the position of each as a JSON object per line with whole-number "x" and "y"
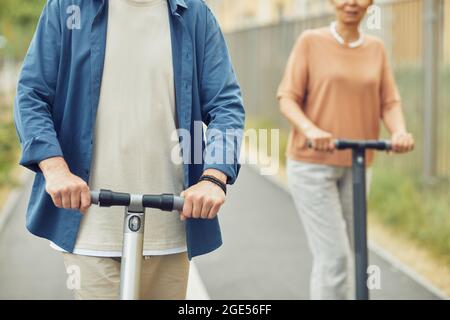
{"x": 260, "y": 55}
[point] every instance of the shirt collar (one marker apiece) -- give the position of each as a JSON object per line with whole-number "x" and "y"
{"x": 339, "y": 39}
{"x": 174, "y": 4}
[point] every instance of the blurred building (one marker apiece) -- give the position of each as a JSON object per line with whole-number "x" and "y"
{"x": 235, "y": 15}
{"x": 238, "y": 14}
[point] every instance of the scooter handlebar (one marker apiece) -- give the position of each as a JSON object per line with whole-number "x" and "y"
{"x": 382, "y": 145}
{"x": 165, "y": 202}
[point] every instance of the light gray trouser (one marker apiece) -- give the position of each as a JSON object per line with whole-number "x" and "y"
{"x": 323, "y": 196}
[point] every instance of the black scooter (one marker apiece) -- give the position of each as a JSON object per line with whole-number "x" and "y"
{"x": 360, "y": 205}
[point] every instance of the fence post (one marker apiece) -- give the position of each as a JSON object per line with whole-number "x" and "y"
{"x": 431, "y": 60}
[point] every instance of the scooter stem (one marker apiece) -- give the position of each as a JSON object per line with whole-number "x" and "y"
{"x": 133, "y": 242}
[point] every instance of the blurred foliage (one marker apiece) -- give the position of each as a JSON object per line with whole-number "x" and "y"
{"x": 18, "y": 20}
{"x": 9, "y": 147}
{"x": 408, "y": 206}
{"x": 399, "y": 197}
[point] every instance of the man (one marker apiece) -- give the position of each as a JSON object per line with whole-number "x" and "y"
{"x": 103, "y": 88}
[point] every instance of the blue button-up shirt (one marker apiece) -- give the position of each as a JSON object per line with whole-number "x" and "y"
{"x": 58, "y": 96}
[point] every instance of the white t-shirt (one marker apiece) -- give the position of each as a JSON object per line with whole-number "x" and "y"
{"x": 134, "y": 131}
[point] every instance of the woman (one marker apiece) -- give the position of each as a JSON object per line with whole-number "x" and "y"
{"x": 337, "y": 85}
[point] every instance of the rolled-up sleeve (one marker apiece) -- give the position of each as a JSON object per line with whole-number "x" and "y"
{"x": 222, "y": 106}
{"x": 295, "y": 79}
{"x": 36, "y": 91}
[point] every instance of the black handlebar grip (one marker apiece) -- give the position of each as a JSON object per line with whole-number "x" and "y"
{"x": 165, "y": 202}
{"x": 381, "y": 145}
{"x": 107, "y": 198}
{"x": 348, "y": 144}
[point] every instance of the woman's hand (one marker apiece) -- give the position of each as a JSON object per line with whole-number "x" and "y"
{"x": 402, "y": 142}
{"x": 319, "y": 140}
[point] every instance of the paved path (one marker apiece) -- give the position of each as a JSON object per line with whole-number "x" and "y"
{"x": 29, "y": 269}
{"x": 265, "y": 255}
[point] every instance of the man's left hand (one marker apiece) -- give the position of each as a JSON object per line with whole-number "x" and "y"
{"x": 204, "y": 199}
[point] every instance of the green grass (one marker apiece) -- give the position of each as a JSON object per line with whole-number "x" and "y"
{"x": 405, "y": 204}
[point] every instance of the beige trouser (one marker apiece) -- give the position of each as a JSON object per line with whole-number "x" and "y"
{"x": 323, "y": 196}
{"x": 163, "y": 277}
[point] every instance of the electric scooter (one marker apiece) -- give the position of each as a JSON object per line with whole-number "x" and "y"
{"x": 359, "y": 148}
{"x": 360, "y": 206}
{"x": 133, "y": 231}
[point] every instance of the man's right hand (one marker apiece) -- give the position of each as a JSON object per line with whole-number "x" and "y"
{"x": 67, "y": 190}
